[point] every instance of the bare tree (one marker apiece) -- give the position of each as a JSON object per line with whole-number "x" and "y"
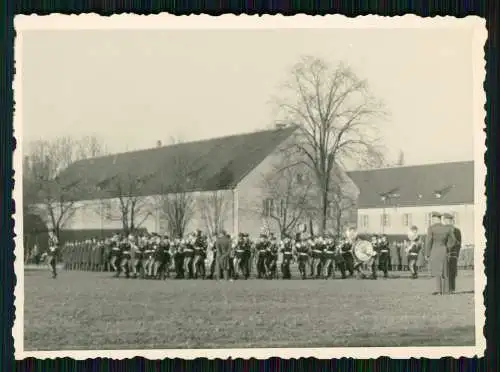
{"x": 125, "y": 189}
{"x": 213, "y": 208}
{"x": 45, "y": 193}
{"x": 335, "y": 114}
{"x": 288, "y": 190}
{"x": 177, "y": 202}
{"x": 342, "y": 203}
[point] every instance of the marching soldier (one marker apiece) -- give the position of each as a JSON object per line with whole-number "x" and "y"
{"x": 223, "y": 247}
{"x": 317, "y": 248}
{"x": 115, "y": 253}
{"x": 287, "y": 251}
{"x": 329, "y": 258}
{"x": 213, "y": 264}
{"x": 52, "y": 253}
{"x": 200, "y": 254}
{"x": 302, "y": 255}
{"x": 353, "y": 239}
{"x": 272, "y": 258}
{"x": 454, "y": 252}
{"x": 178, "y": 251}
{"x": 346, "y": 252}
{"x": 189, "y": 256}
{"x": 339, "y": 258}
{"x": 162, "y": 257}
{"x": 413, "y": 250}
{"x": 246, "y": 261}
{"x": 239, "y": 254}
{"x": 262, "y": 251}
{"x": 125, "y": 255}
{"x": 383, "y": 255}
{"x": 135, "y": 255}
{"x": 439, "y": 240}
{"x": 148, "y": 256}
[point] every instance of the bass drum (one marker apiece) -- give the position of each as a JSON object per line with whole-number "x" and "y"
{"x": 363, "y": 250}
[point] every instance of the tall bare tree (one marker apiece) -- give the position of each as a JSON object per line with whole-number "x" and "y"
{"x": 336, "y": 114}
{"x": 213, "y": 209}
{"x": 127, "y": 203}
{"x": 289, "y": 193}
{"x": 342, "y": 203}
{"x": 177, "y": 202}
{"x": 45, "y": 193}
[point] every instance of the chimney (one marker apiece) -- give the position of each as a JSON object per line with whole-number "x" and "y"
{"x": 158, "y": 143}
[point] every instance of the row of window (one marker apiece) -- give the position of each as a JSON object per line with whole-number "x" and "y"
{"x": 406, "y": 219}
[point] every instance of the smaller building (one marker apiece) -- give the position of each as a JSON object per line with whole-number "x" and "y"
{"x": 393, "y": 199}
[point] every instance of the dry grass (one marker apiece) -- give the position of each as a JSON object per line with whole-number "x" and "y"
{"x": 83, "y": 310}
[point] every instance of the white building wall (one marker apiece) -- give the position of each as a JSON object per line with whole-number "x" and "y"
{"x": 92, "y": 214}
{"x": 370, "y": 220}
{"x": 251, "y": 195}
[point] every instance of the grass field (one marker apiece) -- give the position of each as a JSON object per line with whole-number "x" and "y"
{"x": 82, "y": 310}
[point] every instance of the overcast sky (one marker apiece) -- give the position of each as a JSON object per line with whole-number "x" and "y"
{"x": 132, "y": 88}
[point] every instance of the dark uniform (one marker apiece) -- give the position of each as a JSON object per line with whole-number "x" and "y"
{"x": 272, "y": 259}
{"x": 384, "y": 258}
{"x": 246, "y": 261}
{"x": 329, "y": 259}
{"x": 189, "y": 258}
{"x": 302, "y": 257}
{"x": 346, "y": 252}
{"x": 200, "y": 254}
{"x": 115, "y": 254}
{"x": 453, "y": 253}
{"x": 439, "y": 240}
{"x": 162, "y": 259}
{"x": 287, "y": 252}
{"x": 179, "y": 260}
{"x": 317, "y": 255}
{"x": 239, "y": 256}
{"x": 262, "y": 252}
{"x": 52, "y": 254}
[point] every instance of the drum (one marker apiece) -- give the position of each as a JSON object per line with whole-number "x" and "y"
{"x": 363, "y": 251}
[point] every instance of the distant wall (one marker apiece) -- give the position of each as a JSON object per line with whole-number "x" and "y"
{"x": 401, "y": 219}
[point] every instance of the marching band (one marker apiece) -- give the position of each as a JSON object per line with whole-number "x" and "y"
{"x": 154, "y": 256}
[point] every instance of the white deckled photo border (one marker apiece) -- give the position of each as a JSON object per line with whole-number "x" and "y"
{"x": 166, "y": 21}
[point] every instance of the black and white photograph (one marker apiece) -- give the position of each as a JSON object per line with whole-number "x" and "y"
{"x": 242, "y": 186}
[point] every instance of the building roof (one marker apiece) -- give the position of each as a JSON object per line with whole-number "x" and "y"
{"x": 419, "y": 185}
{"x": 206, "y": 165}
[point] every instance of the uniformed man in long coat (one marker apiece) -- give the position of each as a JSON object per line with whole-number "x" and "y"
{"x": 454, "y": 252}
{"x": 438, "y": 242}
{"x": 223, "y": 248}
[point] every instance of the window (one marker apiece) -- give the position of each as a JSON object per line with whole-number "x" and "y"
{"x": 407, "y": 219}
{"x": 364, "y": 221}
{"x": 385, "y": 220}
{"x": 268, "y": 207}
{"x": 455, "y": 218}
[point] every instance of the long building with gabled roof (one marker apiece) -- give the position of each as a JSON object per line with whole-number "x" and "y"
{"x": 223, "y": 173}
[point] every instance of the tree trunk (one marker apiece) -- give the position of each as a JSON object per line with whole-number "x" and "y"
{"x": 324, "y": 211}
